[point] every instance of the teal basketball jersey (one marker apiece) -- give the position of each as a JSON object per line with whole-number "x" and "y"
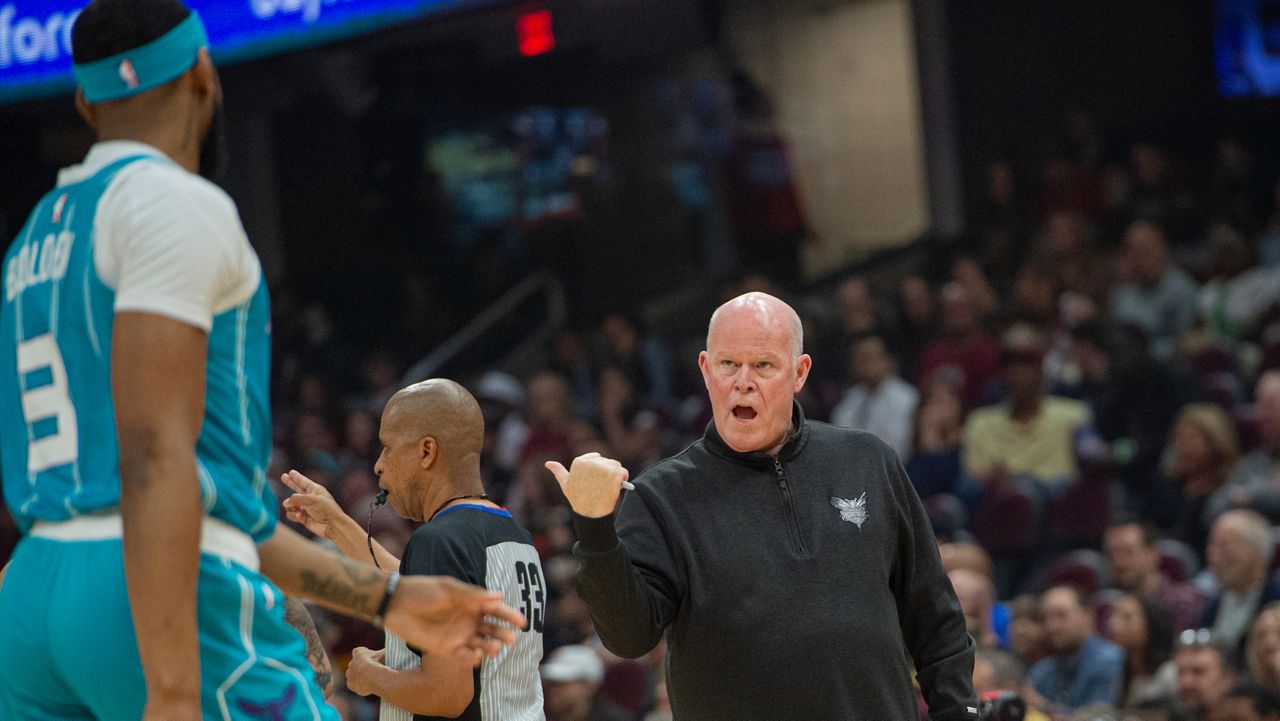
{"x": 58, "y": 452}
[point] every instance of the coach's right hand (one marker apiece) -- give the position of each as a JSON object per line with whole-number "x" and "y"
{"x": 311, "y": 504}
{"x": 592, "y": 483}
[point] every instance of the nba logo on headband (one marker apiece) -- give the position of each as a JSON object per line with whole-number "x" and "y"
{"x": 128, "y": 74}
{"x": 147, "y": 66}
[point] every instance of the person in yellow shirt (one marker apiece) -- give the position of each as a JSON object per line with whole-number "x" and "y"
{"x": 1031, "y": 433}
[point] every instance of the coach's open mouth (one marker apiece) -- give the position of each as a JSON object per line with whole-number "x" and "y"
{"x": 744, "y": 413}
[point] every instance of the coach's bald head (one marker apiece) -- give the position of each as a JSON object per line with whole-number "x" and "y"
{"x": 432, "y": 435}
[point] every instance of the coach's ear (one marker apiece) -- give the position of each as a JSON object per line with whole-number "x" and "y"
{"x": 430, "y": 451}
{"x": 85, "y": 109}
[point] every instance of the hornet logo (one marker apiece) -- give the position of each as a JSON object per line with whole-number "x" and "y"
{"x": 274, "y": 710}
{"x": 854, "y": 512}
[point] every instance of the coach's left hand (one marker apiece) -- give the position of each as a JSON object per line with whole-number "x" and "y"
{"x": 592, "y": 483}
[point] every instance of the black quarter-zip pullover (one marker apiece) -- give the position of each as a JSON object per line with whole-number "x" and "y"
{"x": 791, "y": 588}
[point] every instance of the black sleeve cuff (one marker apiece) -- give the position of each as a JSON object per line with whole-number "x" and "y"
{"x": 596, "y": 534}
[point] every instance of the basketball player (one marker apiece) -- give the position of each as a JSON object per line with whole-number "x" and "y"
{"x": 432, "y": 435}
{"x": 134, "y": 427}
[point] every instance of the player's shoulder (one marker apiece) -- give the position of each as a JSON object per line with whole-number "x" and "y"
{"x": 150, "y": 181}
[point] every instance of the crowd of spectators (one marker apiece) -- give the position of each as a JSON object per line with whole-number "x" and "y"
{"x": 1086, "y": 395}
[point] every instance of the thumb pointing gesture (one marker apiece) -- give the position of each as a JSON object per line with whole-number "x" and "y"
{"x": 592, "y": 483}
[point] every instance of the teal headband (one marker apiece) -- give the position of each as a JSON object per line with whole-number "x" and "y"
{"x": 146, "y": 66}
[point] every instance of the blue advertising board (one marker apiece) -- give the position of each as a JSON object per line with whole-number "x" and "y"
{"x": 35, "y": 35}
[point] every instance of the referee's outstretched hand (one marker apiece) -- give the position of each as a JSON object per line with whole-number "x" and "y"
{"x": 592, "y": 483}
{"x": 311, "y": 504}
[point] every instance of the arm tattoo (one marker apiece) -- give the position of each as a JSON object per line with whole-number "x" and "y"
{"x": 359, "y": 592}
{"x": 296, "y": 615}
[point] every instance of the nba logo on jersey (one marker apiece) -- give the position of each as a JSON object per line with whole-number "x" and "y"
{"x": 58, "y": 206}
{"x": 128, "y": 74}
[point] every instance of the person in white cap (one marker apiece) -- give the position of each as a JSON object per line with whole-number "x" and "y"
{"x": 571, "y": 678}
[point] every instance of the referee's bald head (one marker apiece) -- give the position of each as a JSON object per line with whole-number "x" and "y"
{"x": 442, "y": 409}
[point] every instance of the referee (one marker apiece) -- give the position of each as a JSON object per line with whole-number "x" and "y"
{"x": 432, "y": 434}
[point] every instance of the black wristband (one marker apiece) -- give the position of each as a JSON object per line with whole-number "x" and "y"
{"x": 393, "y": 582}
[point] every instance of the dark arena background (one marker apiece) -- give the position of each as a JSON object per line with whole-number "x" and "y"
{"x": 1035, "y": 247}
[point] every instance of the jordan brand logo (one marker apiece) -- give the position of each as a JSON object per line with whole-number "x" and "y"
{"x": 854, "y": 511}
{"x": 274, "y": 710}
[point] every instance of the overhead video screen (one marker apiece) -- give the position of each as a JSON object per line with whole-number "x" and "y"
{"x": 1246, "y": 48}
{"x": 35, "y": 35}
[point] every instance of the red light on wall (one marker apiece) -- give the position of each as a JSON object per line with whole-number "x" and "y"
{"x": 534, "y": 33}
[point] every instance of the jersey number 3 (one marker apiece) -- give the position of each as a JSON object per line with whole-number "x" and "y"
{"x": 531, "y": 594}
{"x": 51, "y": 400}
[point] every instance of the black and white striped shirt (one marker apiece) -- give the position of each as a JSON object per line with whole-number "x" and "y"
{"x": 484, "y": 546}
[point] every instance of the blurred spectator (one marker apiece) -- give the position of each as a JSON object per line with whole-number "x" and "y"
{"x": 643, "y": 358}
{"x": 1158, "y": 192}
{"x": 968, "y": 272}
{"x": 860, "y": 315}
{"x": 1262, "y": 650}
{"x": 964, "y": 346}
{"x": 549, "y": 412}
{"x": 536, "y": 502}
{"x": 764, "y": 208}
{"x": 1002, "y": 225}
{"x": 917, "y": 323}
{"x": 380, "y": 378}
{"x": 1133, "y": 400}
{"x": 1205, "y": 673}
{"x": 1084, "y": 668}
{"x": 1141, "y": 628}
{"x": 571, "y": 359}
{"x": 967, "y": 555}
{"x": 996, "y": 670}
{"x": 879, "y": 401}
{"x": 1156, "y": 295}
{"x": 934, "y": 462}
{"x": 1269, "y": 238}
{"x": 1068, "y": 187}
{"x": 1255, "y": 481}
{"x": 1065, "y": 248}
{"x": 1248, "y": 702}
{"x": 1135, "y": 568}
{"x": 314, "y": 443}
{"x": 360, "y": 446}
{"x": 1027, "y": 634}
{"x": 1030, "y": 434}
{"x": 501, "y": 397}
{"x": 977, "y": 596}
{"x": 1204, "y": 450}
{"x": 1236, "y": 295}
{"x": 1239, "y": 556}
{"x": 1230, "y": 195}
{"x": 1035, "y": 296}
{"x": 632, "y": 431}
{"x": 571, "y": 677}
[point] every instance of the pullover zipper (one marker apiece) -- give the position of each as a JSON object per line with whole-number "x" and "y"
{"x": 789, "y": 508}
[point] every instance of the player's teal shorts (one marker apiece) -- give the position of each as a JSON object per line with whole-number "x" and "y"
{"x": 68, "y": 650}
